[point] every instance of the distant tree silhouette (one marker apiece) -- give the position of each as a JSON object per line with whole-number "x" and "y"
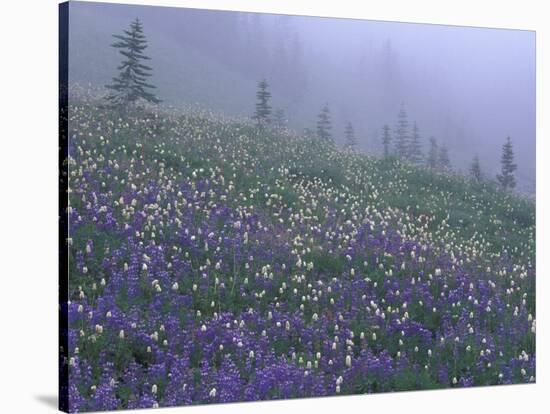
{"x": 415, "y": 147}
{"x": 506, "y": 177}
{"x": 402, "y": 134}
{"x": 433, "y": 154}
{"x": 279, "y": 118}
{"x": 475, "y": 170}
{"x": 131, "y": 85}
{"x": 443, "y": 160}
{"x": 349, "y": 135}
{"x": 263, "y": 109}
{"x": 323, "y": 124}
{"x": 386, "y": 140}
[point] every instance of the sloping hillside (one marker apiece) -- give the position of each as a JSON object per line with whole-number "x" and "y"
{"x": 215, "y": 261}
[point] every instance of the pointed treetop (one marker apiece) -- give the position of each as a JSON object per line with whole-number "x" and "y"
{"x": 323, "y": 124}
{"x": 506, "y": 178}
{"x": 349, "y": 135}
{"x": 263, "y": 108}
{"x": 402, "y": 134}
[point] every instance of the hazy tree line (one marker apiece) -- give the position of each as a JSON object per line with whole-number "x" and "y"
{"x": 404, "y": 141}
{"x": 407, "y": 142}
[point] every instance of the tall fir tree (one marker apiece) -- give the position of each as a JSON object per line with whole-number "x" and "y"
{"x": 475, "y": 170}
{"x": 415, "y": 147}
{"x": 386, "y": 140}
{"x": 323, "y": 124}
{"x": 433, "y": 154}
{"x": 402, "y": 134}
{"x": 349, "y": 135}
{"x": 130, "y": 86}
{"x": 443, "y": 160}
{"x": 506, "y": 177}
{"x": 263, "y": 109}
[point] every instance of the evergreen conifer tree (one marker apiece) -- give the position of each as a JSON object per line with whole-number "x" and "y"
{"x": 349, "y": 135}
{"x": 475, "y": 170}
{"x": 415, "y": 147}
{"x": 131, "y": 85}
{"x": 402, "y": 134}
{"x": 279, "y": 118}
{"x": 443, "y": 160}
{"x": 433, "y": 154}
{"x": 263, "y": 109}
{"x": 323, "y": 124}
{"x": 386, "y": 140}
{"x": 506, "y": 177}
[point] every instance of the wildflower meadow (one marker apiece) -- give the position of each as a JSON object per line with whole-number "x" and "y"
{"x": 216, "y": 258}
{"x": 212, "y": 261}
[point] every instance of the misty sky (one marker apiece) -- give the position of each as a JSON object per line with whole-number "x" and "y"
{"x": 467, "y": 87}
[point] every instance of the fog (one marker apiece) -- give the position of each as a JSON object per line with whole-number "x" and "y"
{"x": 468, "y": 87}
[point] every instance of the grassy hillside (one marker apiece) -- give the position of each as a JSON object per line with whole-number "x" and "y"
{"x": 214, "y": 261}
